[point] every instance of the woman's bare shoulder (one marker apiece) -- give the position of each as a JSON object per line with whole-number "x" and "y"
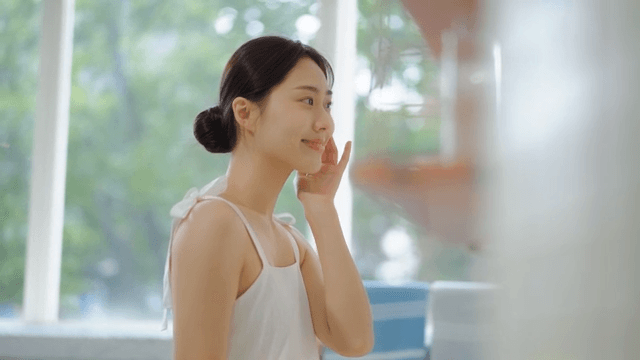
{"x": 206, "y": 268}
{"x": 212, "y": 220}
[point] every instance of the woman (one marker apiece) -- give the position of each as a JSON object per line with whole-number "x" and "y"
{"x": 244, "y": 283}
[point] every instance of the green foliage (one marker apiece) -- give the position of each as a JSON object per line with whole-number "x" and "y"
{"x": 141, "y": 72}
{"x": 389, "y": 52}
{"x": 19, "y": 33}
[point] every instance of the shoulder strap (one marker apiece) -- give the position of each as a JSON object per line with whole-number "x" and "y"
{"x": 252, "y": 233}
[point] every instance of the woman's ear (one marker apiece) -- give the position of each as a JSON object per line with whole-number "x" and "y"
{"x": 245, "y": 113}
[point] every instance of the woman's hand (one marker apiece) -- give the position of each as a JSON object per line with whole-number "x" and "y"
{"x": 321, "y": 187}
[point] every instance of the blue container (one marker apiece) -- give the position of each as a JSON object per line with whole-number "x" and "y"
{"x": 399, "y": 321}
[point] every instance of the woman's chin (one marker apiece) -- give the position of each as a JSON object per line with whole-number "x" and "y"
{"x": 311, "y": 169}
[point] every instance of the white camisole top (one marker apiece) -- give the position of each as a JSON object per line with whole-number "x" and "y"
{"x": 271, "y": 320}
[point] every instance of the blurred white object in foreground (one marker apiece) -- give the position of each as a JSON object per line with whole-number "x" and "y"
{"x": 561, "y": 181}
{"x": 456, "y": 326}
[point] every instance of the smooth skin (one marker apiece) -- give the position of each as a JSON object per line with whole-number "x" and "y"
{"x": 207, "y": 258}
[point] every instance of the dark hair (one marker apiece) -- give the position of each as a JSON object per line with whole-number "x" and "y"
{"x": 252, "y": 72}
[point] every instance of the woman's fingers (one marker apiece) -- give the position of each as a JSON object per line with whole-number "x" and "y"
{"x": 330, "y": 154}
{"x": 346, "y": 155}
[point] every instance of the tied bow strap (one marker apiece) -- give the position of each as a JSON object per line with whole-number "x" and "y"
{"x": 179, "y": 211}
{"x": 285, "y": 218}
{"x": 288, "y": 219}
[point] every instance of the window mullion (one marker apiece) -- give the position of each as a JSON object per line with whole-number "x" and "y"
{"x": 49, "y": 164}
{"x": 337, "y": 41}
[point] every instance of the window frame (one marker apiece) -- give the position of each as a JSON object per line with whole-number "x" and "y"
{"x": 39, "y": 333}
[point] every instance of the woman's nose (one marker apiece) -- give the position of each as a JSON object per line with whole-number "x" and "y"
{"x": 324, "y": 121}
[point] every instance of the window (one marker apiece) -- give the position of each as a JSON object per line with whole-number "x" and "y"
{"x": 19, "y": 34}
{"x": 398, "y": 117}
{"x": 141, "y": 73}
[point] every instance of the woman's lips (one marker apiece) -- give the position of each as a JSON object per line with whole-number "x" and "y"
{"x": 314, "y": 145}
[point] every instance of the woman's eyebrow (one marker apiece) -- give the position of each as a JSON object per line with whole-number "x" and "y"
{"x": 312, "y": 88}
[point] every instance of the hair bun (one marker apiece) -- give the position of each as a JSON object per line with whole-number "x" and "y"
{"x": 211, "y": 130}
{"x": 214, "y": 113}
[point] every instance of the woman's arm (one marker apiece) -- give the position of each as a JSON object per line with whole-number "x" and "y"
{"x": 347, "y": 304}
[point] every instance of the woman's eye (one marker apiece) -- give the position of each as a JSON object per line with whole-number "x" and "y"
{"x": 310, "y": 101}
{"x": 329, "y": 105}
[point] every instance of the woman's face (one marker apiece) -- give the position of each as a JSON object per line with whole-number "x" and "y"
{"x": 297, "y": 109}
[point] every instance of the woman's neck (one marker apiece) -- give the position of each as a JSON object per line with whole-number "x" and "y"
{"x": 254, "y": 183}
